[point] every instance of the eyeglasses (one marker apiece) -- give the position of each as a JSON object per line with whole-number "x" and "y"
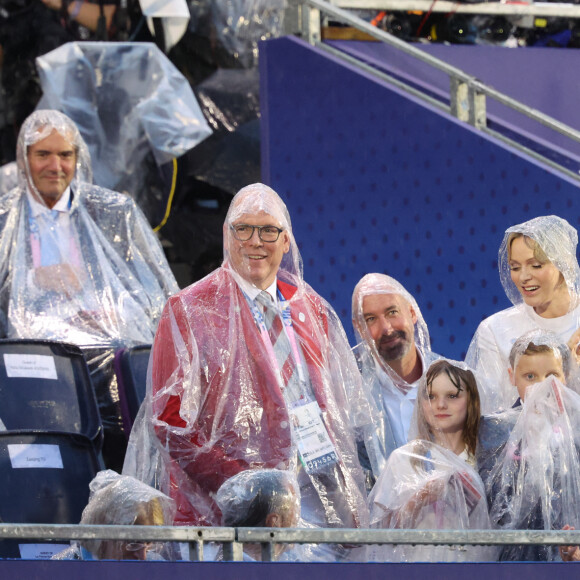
{"x": 244, "y": 232}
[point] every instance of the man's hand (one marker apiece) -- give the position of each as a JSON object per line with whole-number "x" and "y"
{"x": 569, "y": 553}
{"x": 61, "y": 278}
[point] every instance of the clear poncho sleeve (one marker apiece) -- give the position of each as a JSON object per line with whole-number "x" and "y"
{"x": 425, "y": 486}
{"x": 491, "y": 365}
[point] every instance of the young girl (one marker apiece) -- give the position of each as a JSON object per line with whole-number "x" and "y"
{"x": 430, "y": 483}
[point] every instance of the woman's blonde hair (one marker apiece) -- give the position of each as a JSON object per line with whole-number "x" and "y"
{"x": 539, "y": 254}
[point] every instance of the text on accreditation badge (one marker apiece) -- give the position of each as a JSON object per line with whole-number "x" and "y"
{"x": 314, "y": 444}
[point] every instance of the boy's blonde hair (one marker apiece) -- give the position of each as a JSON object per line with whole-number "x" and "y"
{"x": 538, "y": 342}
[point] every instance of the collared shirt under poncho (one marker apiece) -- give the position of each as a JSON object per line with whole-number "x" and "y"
{"x": 215, "y": 404}
{"x": 123, "y": 272}
{"x": 491, "y": 344}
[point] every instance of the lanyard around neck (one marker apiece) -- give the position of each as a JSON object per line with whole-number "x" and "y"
{"x": 284, "y": 310}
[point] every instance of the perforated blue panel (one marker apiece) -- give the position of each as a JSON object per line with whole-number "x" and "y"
{"x": 377, "y": 182}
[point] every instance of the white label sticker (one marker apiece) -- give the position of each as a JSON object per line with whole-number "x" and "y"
{"x": 314, "y": 444}
{"x": 40, "y": 551}
{"x": 27, "y": 455}
{"x": 33, "y": 366}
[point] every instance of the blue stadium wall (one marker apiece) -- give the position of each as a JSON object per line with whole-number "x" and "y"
{"x": 377, "y": 181}
{"x": 127, "y": 570}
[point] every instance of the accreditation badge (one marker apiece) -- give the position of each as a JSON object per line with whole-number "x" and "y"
{"x": 311, "y": 436}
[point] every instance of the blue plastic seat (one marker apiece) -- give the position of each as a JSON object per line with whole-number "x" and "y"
{"x": 131, "y": 369}
{"x": 44, "y": 478}
{"x": 46, "y": 386}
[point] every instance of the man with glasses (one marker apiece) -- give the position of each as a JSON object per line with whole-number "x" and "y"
{"x": 251, "y": 369}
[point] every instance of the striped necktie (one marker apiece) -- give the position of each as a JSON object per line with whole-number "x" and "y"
{"x": 281, "y": 345}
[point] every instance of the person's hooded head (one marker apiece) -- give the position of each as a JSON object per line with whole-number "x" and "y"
{"x": 538, "y": 265}
{"x": 258, "y": 240}
{"x": 538, "y": 355}
{"x": 123, "y": 500}
{"x": 387, "y": 319}
{"x": 51, "y": 154}
{"x": 267, "y": 498}
{"x": 448, "y": 403}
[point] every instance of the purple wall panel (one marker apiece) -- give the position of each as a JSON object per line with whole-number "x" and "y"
{"x": 63, "y": 570}
{"x": 541, "y": 78}
{"x": 376, "y": 181}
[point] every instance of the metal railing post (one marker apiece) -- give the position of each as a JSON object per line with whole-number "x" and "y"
{"x": 466, "y": 103}
{"x": 458, "y": 98}
{"x": 267, "y": 551}
{"x": 477, "y": 108}
{"x": 196, "y": 551}
{"x": 233, "y": 552}
{"x": 293, "y": 17}
{"x": 311, "y": 29}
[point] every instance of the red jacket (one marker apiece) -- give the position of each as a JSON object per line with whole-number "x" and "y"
{"x": 217, "y": 405}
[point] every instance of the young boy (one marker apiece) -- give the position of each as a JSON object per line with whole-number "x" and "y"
{"x": 527, "y": 457}
{"x": 532, "y": 363}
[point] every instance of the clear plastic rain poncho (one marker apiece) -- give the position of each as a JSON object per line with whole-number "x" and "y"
{"x": 528, "y": 456}
{"x": 217, "y": 403}
{"x": 121, "y": 500}
{"x": 93, "y": 274}
{"x": 241, "y": 24}
{"x": 248, "y": 498}
{"x": 135, "y": 110}
{"x": 379, "y": 437}
{"x": 103, "y": 243}
{"x": 8, "y": 177}
{"x": 555, "y": 240}
{"x": 431, "y": 482}
{"x": 259, "y": 498}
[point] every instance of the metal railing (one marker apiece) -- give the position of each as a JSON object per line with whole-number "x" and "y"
{"x": 517, "y": 9}
{"x": 233, "y": 539}
{"x": 467, "y": 93}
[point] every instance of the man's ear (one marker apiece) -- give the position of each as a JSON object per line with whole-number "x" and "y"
{"x": 226, "y": 237}
{"x": 512, "y": 378}
{"x": 273, "y": 520}
{"x": 286, "y": 241}
{"x": 414, "y": 316}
